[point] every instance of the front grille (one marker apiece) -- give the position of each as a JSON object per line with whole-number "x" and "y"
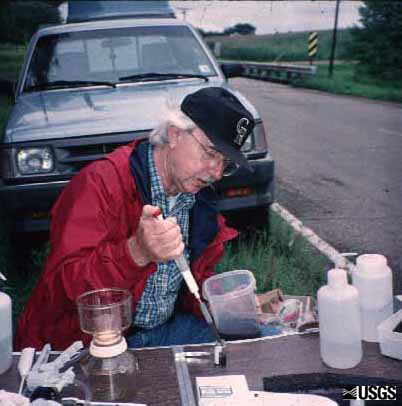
{"x": 95, "y": 149}
{"x": 73, "y": 154}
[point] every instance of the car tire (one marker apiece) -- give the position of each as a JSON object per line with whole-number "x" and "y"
{"x": 250, "y": 220}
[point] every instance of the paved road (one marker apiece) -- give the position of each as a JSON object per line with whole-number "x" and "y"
{"x": 339, "y": 165}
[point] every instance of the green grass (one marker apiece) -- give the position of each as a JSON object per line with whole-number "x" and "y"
{"x": 11, "y": 60}
{"x": 5, "y": 108}
{"x": 4, "y": 244}
{"x": 346, "y": 81}
{"x": 280, "y": 47}
{"x": 281, "y": 260}
{"x": 22, "y": 274}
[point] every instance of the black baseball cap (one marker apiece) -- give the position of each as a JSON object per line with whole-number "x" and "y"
{"x": 223, "y": 118}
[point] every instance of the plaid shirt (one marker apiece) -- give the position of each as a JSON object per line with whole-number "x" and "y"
{"x": 158, "y": 299}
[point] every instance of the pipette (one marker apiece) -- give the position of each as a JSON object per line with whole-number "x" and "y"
{"x": 192, "y": 285}
{"x": 25, "y": 364}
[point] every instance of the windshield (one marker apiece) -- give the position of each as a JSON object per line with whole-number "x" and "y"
{"x": 116, "y": 55}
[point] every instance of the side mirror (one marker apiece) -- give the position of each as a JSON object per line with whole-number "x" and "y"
{"x": 232, "y": 70}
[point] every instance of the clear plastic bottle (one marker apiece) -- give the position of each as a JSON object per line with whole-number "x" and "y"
{"x": 373, "y": 279}
{"x": 339, "y": 319}
{"x": 6, "y": 341}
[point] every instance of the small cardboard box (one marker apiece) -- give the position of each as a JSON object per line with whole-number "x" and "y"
{"x": 270, "y": 304}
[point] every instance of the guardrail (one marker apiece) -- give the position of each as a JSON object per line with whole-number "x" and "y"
{"x": 276, "y": 72}
{"x": 273, "y": 72}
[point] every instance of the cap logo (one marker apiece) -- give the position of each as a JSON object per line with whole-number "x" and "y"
{"x": 242, "y": 130}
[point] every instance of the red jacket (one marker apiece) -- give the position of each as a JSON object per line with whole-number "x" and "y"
{"x": 91, "y": 221}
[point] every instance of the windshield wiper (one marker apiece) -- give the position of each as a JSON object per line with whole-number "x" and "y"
{"x": 153, "y": 76}
{"x": 63, "y": 84}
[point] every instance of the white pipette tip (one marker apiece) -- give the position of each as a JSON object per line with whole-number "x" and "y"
{"x": 25, "y": 364}
{"x": 2, "y": 277}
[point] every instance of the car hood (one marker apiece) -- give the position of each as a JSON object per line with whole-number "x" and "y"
{"x": 91, "y": 111}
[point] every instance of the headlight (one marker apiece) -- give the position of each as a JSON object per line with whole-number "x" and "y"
{"x": 35, "y": 160}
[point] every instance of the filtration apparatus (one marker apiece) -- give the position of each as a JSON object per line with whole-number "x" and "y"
{"x": 110, "y": 368}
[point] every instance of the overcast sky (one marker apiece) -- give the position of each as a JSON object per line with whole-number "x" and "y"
{"x": 268, "y": 16}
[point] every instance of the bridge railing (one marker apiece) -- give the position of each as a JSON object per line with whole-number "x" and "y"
{"x": 273, "y": 72}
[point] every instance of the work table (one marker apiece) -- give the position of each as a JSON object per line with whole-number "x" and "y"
{"x": 167, "y": 378}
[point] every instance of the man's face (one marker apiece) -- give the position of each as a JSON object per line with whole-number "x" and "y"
{"x": 194, "y": 164}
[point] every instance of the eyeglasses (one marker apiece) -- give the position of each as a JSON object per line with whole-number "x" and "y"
{"x": 214, "y": 157}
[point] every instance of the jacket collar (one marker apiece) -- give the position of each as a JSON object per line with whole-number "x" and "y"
{"x": 139, "y": 170}
{"x": 203, "y": 215}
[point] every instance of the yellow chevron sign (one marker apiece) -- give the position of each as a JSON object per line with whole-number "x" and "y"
{"x": 312, "y": 44}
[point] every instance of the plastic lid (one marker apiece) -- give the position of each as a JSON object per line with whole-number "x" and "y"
{"x": 228, "y": 283}
{"x": 371, "y": 263}
{"x": 337, "y": 278}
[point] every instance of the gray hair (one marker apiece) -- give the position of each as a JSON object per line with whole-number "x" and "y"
{"x": 174, "y": 117}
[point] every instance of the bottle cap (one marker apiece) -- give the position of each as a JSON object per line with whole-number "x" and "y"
{"x": 337, "y": 278}
{"x": 371, "y": 263}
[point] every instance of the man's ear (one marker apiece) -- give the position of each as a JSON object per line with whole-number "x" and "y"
{"x": 173, "y": 134}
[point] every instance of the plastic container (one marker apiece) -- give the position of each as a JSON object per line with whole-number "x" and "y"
{"x": 390, "y": 336}
{"x": 339, "y": 320}
{"x": 6, "y": 334}
{"x": 373, "y": 279}
{"x": 231, "y": 297}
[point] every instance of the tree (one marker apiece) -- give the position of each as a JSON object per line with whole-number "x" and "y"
{"x": 20, "y": 19}
{"x": 242, "y": 29}
{"x": 4, "y": 20}
{"x": 200, "y": 31}
{"x": 378, "y": 44}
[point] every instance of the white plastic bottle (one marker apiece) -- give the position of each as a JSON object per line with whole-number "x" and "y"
{"x": 373, "y": 279}
{"x": 339, "y": 319}
{"x": 6, "y": 341}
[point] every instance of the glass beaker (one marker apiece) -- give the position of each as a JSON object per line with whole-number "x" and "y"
{"x": 109, "y": 367}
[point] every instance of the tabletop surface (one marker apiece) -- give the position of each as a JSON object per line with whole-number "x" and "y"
{"x": 158, "y": 381}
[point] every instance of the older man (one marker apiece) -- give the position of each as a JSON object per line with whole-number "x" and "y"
{"x": 105, "y": 233}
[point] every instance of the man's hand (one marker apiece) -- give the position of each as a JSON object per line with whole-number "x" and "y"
{"x": 155, "y": 240}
